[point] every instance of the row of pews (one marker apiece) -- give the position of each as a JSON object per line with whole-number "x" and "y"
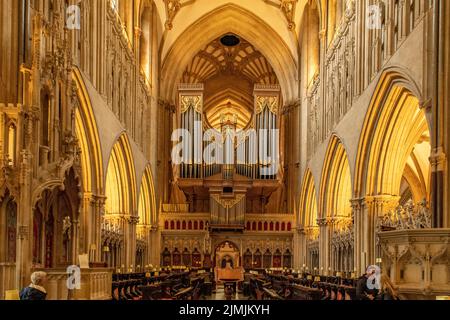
{"x": 161, "y": 286}
{"x": 199, "y": 284}
{"x": 298, "y": 287}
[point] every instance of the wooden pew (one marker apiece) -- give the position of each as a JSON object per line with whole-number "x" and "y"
{"x": 270, "y": 294}
{"x": 305, "y": 293}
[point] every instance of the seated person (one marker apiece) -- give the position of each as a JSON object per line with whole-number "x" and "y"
{"x": 36, "y": 290}
{"x": 166, "y": 293}
{"x": 362, "y": 290}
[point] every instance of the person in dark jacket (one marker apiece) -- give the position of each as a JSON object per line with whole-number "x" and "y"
{"x": 36, "y": 290}
{"x": 362, "y": 290}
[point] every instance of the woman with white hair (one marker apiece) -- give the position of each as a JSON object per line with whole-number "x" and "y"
{"x": 36, "y": 290}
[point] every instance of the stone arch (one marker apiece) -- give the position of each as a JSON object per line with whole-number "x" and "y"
{"x": 336, "y": 182}
{"x": 147, "y": 201}
{"x": 145, "y": 23}
{"x": 234, "y": 19}
{"x": 308, "y": 202}
{"x": 393, "y": 126}
{"x": 88, "y": 139}
{"x": 120, "y": 186}
{"x": 309, "y": 39}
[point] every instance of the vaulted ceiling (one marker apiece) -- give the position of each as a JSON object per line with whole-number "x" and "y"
{"x": 241, "y": 59}
{"x": 229, "y": 72}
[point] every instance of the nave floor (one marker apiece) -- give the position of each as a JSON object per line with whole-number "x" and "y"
{"x": 219, "y": 294}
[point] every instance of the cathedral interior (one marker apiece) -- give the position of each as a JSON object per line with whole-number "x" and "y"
{"x": 197, "y": 149}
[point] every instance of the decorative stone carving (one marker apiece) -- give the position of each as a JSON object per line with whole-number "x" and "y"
{"x": 407, "y": 217}
{"x": 172, "y": 9}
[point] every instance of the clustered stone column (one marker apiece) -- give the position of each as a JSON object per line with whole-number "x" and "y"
{"x": 366, "y": 212}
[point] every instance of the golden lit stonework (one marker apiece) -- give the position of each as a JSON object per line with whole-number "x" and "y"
{"x": 228, "y": 149}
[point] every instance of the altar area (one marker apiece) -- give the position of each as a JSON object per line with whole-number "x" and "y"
{"x": 228, "y": 265}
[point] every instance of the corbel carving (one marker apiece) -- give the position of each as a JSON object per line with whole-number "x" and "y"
{"x": 287, "y": 7}
{"x": 172, "y": 9}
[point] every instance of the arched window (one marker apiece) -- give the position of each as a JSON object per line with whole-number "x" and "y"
{"x": 145, "y": 45}
{"x": 310, "y": 43}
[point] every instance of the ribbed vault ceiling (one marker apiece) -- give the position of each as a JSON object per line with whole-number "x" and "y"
{"x": 229, "y": 74}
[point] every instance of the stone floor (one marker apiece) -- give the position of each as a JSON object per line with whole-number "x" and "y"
{"x": 219, "y": 294}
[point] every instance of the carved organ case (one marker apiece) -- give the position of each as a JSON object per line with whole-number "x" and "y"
{"x": 191, "y": 121}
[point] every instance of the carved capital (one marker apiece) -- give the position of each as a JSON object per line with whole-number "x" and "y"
{"x": 438, "y": 159}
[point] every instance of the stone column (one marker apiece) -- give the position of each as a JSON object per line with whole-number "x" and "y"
{"x": 441, "y": 117}
{"x": 24, "y": 255}
{"x": 130, "y": 223}
{"x": 155, "y": 248}
{"x": 299, "y": 248}
{"x": 366, "y": 213}
{"x": 325, "y": 225}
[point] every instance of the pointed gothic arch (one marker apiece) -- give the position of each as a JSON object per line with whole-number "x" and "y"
{"x": 308, "y": 202}
{"x": 336, "y": 182}
{"x": 120, "y": 186}
{"x": 229, "y": 18}
{"x": 147, "y": 200}
{"x": 394, "y": 126}
{"x": 88, "y": 139}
